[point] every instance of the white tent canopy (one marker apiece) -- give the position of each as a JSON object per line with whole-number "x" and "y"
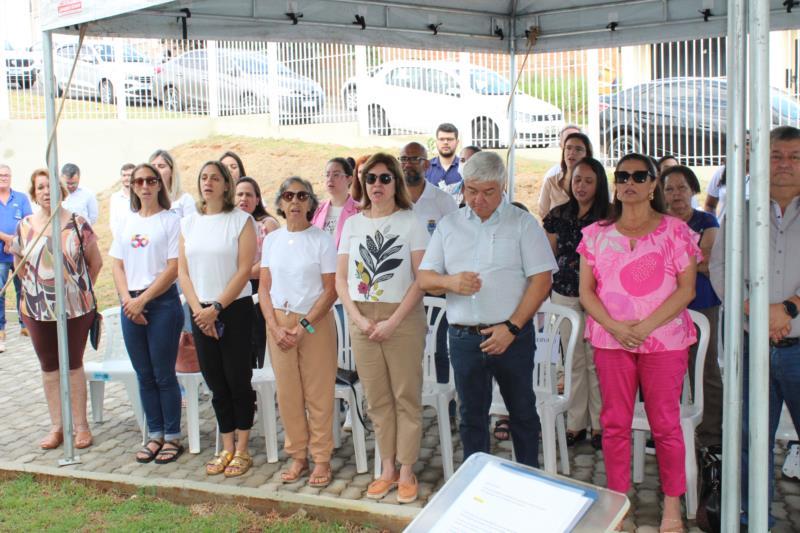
{"x": 464, "y": 24}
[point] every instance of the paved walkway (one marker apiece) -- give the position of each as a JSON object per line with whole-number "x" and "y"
{"x": 24, "y": 419}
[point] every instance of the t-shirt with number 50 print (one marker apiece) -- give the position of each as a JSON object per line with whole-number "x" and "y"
{"x": 379, "y": 249}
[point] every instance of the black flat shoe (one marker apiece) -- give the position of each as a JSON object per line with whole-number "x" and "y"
{"x": 574, "y": 438}
{"x": 597, "y": 441}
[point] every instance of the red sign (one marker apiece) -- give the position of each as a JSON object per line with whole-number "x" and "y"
{"x": 69, "y": 7}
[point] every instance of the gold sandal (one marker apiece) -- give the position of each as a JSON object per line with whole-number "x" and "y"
{"x": 218, "y": 464}
{"x": 239, "y": 465}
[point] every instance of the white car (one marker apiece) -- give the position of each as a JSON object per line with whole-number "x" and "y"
{"x": 97, "y": 72}
{"x": 417, "y": 96}
{"x": 20, "y": 68}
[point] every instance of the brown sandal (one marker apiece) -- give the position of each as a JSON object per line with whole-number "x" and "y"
{"x": 292, "y": 474}
{"x": 52, "y": 440}
{"x": 218, "y": 464}
{"x": 321, "y": 481}
{"x": 239, "y": 465}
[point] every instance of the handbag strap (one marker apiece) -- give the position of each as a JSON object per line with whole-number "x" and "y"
{"x": 83, "y": 256}
{"x": 24, "y": 258}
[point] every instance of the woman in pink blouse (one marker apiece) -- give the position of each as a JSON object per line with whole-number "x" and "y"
{"x": 637, "y": 276}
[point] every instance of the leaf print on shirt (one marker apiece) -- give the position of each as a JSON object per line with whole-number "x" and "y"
{"x": 376, "y": 266}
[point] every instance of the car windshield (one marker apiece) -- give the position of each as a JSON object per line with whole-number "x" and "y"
{"x": 485, "y": 81}
{"x": 130, "y": 54}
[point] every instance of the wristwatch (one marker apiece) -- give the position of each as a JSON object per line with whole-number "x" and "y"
{"x": 513, "y": 328}
{"x": 217, "y": 306}
{"x": 791, "y": 308}
{"x": 307, "y": 325}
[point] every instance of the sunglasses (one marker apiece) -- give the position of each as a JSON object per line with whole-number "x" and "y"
{"x": 386, "y": 179}
{"x": 639, "y": 176}
{"x": 141, "y": 181}
{"x": 288, "y": 196}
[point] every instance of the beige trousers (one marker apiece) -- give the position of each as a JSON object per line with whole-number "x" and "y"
{"x": 585, "y": 402}
{"x": 306, "y": 376}
{"x": 391, "y": 373}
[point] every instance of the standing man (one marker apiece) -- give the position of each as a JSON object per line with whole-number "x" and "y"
{"x": 120, "y": 201}
{"x": 444, "y": 172}
{"x": 495, "y": 266}
{"x": 14, "y": 206}
{"x": 80, "y": 201}
{"x": 784, "y": 288}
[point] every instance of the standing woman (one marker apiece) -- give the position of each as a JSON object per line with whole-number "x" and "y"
{"x": 248, "y": 199}
{"x": 379, "y": 256}
{"x": 234, "y": 164}
{"x": 297, "y": 290}
{"x": 588, "y": 203}
{"x": 145, "y": 267}
{"x": 637, "y": 276}
{"x": 680, "y": 186}
{"x": 555, "y": 187}
{"x": 182, "y": 203}
{"x": 215, "y": 259}
{"x": 332, "y": 214}
{"x": 37, "y": 303}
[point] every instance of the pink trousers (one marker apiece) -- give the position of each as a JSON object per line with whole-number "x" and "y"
{"x": 660, "y": 376}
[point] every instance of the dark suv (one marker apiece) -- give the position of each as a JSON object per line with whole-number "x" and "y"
{"x": 684, "y": 117}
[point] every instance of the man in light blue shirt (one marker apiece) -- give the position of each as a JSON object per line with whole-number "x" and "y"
{"x": 80, "y": 201}
{"x": 495, "y": 265}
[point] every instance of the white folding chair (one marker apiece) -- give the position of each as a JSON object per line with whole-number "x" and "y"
{"x": 114, "y": 366}
{"x": 691, "y": 416}
{"x": 353, "y": 396}
{"x": 550, "y": 404}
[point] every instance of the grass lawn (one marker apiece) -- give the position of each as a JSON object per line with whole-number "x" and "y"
{"x": 30, "y": 505}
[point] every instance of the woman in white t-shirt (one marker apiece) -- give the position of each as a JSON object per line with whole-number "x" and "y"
{"x": 297, "y": 290}
{"x": 217, "y": 247}
{"x": 379, "y": 255}
{"x": 182, "y": 203}
{"x": 145, "y": 267}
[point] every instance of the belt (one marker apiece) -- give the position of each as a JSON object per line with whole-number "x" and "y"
{"x": 475, "y": 330}
{"x": 786, "y": 342}
{"x": 134, "y": 294}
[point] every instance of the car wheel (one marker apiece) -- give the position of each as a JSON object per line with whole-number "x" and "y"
{"x": 106, "y": 91}
{"x": 172, "y": 100}
{"x": 351, "y": 98}
{"x": 377, "y": 124}
{"x": 485, "y": 133}
{"x": 623, "y": 143}
{"x": 249, "y": 105}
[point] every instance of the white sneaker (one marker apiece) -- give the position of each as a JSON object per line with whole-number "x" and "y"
{"x": 348, "y": 421}
{"x": 791, "y": 464}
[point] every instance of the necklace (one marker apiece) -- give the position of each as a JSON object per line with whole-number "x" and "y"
{"x": 635, "y": 229}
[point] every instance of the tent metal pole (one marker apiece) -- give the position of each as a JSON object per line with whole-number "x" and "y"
{"x": 512, "y": 107}
{"x": 734, "y": 253}
{"x": 58, "y": 258}
{"x": 759, "y": 227}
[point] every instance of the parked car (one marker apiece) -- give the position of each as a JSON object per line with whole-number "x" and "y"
{"x": 243, "y": 80}
{"x": 685, "y": 117}
{"x": 97, "y": 72}
{"x": 20, "y": 69}
{"x": 417, "y": 96}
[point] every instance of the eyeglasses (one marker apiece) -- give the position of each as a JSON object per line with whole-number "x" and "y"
{"x": 141, "y": 181}
{"x": 408, "y": 159}
{"x": 288, "y": 196}
{"x": 386, "y": 179}
{"x": 639, "y": 176}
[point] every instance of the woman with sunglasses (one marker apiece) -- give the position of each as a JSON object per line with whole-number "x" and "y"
{"x": 297, "y": 290}
{"x": 216, "y": 251}
{"x": 555, "y": 187}
{"x": 248, "y": 199}
{"x": 379, "y": 256}
{"x": 145, "y": 268}
{"x": 588, "y": 203}
{"x": 637, "y": 276}
{"x": 332, "y": 214}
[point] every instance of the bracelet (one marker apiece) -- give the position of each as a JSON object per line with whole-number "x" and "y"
{"x": 307, "y": 325}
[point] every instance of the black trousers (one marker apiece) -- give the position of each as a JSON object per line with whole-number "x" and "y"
{"x": 227, "y": 367}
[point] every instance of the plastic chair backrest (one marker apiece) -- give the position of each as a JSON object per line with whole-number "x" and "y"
{"x": 702, "y": 324}
{"x": 547, "y": 322}
{"x": 434, "y": 311}
{"x": 113, "y": 343}
{"x": 344, "y": 352}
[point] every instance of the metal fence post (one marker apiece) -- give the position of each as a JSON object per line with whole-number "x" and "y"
{"x": 465, "y": 133}
{"x": 119, "y": 79}
{"x": 361, "y": 90}
{"x": 273, "y": 98}
{"x": 213, "y": 79}
{"x": 592, "y": 111}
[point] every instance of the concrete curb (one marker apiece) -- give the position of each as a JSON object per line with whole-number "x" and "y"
{"x": 369, "y": 514}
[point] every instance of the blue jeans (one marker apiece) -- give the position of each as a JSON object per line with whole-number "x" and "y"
{"x": 784, "y": 386}
{"x": 513, "y": 371}
{"x": 153, "y": 349}
{"x": 5, "y": 270}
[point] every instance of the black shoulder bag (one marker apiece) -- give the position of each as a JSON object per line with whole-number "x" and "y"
{"x": 97, "y": 322}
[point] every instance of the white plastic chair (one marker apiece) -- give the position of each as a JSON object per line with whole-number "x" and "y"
{"x": 435, "y": 394}
{"x": 691, "y": 416}
{"x": 191, "y": 383}
{"x": 786, "y": 431}
{"x": 550, "y": 404}
{"x": 114, "y": 366}
{"x": 353, "y": 396}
